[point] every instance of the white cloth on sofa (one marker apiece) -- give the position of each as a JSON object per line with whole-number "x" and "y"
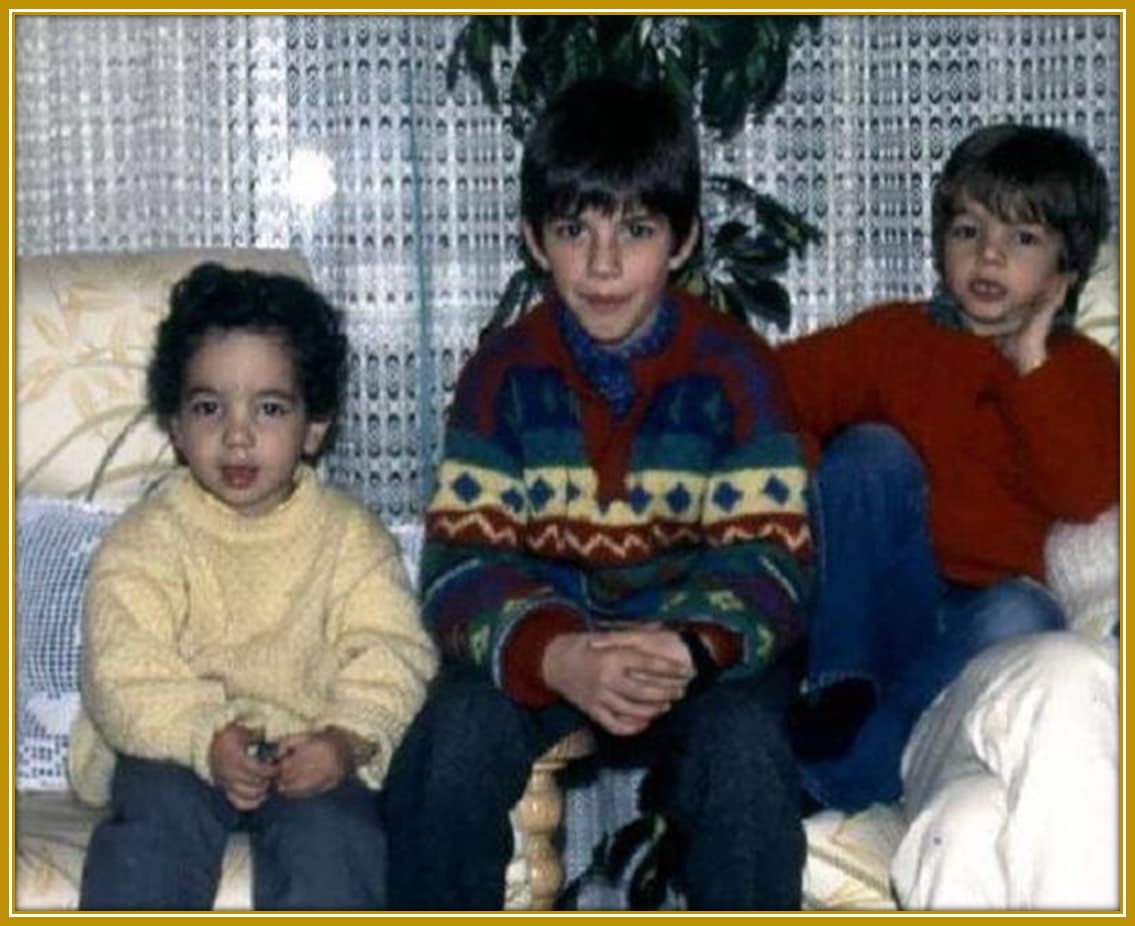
{"x": 1012, "y": 782}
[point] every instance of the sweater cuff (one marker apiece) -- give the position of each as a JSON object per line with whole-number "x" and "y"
{"x": 208, "y": 724}
{"x": 723, "y": 644}
{"x": 523, "y": 658}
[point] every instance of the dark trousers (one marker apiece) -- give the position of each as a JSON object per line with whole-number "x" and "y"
{"x": 161, "y": 846}
{"x": 884, "y": 614}
{"x": 466, "y": 758}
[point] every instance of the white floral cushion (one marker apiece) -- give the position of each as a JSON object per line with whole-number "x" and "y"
{"x": 849, "y": 857}
{"x": 84, "y": 327}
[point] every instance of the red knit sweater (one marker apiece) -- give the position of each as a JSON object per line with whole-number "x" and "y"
{"x": 1006, "y": 455}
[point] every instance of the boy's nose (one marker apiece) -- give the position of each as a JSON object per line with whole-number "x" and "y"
{"x": 990, "y": 248}
{"x": 605, "y": 256}
{"x": 238, "y": 432}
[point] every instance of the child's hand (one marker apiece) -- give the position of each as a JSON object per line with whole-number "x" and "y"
{"x": 311, "y": 763}
{"x": 653, "y": 639}
{"x": 1026, "y": 347}
{"x": 624, "y": 684}
{"x": 244, "y": 779}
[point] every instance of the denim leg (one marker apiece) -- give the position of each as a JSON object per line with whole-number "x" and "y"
{"x": 736, "y": 795}
{"x": 969, "y": 621}
{"x": 878, "y": 583}
{"x": 461, "y": 767}
{"x": 326, "y": 852}
{"x": 161, "y": 846}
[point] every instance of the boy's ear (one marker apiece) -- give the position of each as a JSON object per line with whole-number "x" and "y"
{"x": 686, "y": 248}
{"x": 313, "y": 438}
{"x": 532, "y": 242}
{"x": 173, "y": 428}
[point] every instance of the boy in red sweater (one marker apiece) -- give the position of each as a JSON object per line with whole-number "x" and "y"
{"x": 954, "y": 433}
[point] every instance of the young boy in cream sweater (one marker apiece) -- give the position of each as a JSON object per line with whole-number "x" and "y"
{"x": 252, "y": 651}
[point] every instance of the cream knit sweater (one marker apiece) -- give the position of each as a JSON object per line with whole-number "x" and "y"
{"x": 196, "y": 616}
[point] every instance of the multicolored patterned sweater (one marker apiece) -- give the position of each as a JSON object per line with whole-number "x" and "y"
{"x": 553, "y": 513}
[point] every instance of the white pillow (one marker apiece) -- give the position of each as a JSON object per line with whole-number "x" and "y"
{"x": 55, "y": 540}
{"x": 1097, "y": 312}
{"x": 1082, "y": 566}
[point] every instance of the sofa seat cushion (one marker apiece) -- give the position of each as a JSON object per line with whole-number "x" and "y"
{"x": 849, "y": 857}
{"x": 52, "y": 831}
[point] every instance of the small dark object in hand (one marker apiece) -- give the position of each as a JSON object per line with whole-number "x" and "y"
{"x": 266, "y": 751}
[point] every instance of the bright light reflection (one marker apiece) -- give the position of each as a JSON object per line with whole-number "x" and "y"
{"x": 310, "y": 177}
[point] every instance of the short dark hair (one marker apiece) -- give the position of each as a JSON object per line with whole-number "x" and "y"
{"x": 1031, "y": 174}
{"x": 214, "y": 298}
{"x": 603, "y": 143}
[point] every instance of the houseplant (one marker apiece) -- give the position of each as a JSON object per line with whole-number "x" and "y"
{"x": 732, "y": 67}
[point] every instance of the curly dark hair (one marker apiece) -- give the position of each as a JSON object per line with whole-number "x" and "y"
{"x": 214, "y": 298}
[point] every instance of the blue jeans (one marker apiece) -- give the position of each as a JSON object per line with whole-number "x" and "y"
{"x": 883, "y": 613}
{"x": 161, "y": 846}
{"x": 466, "y": 757}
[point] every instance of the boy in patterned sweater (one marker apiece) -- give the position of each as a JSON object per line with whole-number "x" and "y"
{"x": 244, "y": 600}
{"x": 618, "y": 535}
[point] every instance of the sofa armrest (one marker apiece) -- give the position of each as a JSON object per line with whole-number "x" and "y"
{"x": 1082, "y": 566}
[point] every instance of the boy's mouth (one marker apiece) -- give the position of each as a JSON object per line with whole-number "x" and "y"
{"x": 987, "y": 290}
{"x": 603, "y": 304}
{"x": 238, "y": 477}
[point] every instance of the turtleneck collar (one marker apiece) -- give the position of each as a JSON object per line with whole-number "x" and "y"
{"x": 607, "y": 368}
{"x": 209, "y": 512}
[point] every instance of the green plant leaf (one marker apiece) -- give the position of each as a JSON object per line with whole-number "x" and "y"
{"x": 756, "y": 253}
{"x": 731, "y": 66}
{"x": 519, "y": 292}
{"x": 473, "y": 51}
{"x": 727, "y": 233}
{"x": 759, "y": 298}
{"x": 790, "y": 226}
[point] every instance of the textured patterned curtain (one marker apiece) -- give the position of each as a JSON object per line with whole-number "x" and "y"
{"x": 336, "y": 136}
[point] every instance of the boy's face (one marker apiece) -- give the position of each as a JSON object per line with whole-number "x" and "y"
{"x": 609, "y": 269}
{"x": 1002, "y": 273}
{"x": 242, "y": 426}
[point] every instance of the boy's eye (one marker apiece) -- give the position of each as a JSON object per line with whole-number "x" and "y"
{"x": 274, "y": 408}
{"x": 641, "y": 228}
{"x": 567, "y": 228}
{"x": 204, "y": 408}
{"x": 963, "y": 230}
{"x": 1028, "y": 236}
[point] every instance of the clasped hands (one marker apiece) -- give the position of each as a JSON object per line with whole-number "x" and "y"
{"x": 622, "y": 679}
{"x": 306, "y": 764}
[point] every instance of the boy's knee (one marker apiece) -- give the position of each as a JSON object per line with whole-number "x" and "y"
{"x": 148, "y": 789}
{"x": 873, "y": 450}
{"x": 732, "y": 728}
{"x": 472, "y": 711}
{"x": 1015, "y": 609}
{"x": 468, "y": 734}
